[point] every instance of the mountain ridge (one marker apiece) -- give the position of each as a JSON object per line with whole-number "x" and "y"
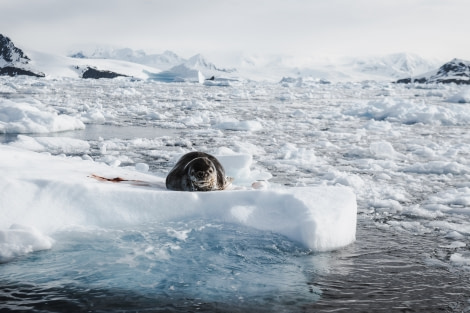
{"x": 174, "y": 68}
{"x": 455, "y": 71}
{"x": 13, "y": 61}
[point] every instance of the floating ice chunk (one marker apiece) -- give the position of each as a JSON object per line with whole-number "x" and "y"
{"x": 345, "y": 179}
{"x": 378, "y": 126}
{"x": 460, "y": 259}
{"x": 142, "y": 167}
{"x": 178, "y": 234}
{"x": 424, "y": 152}
{"x": 24, "y": 117}
{"x": 237, "y": 165}
{"x": 382, "y": 150}
{"x": 462, "y": 96}
{"x": 94, "y": 116}
{"x": 292, "y": 154}
{"x": 437, "y": 167}
{"x": 58, "y": 192}
{"x": 454, "y": 235}
{"x": 234, "y": 124}
{"x": 455, "y": 244}
{"x": 417, "y": 210}
{"x": 19, "y": 240}
{"x": 220, "y": 83}
{"x": 410, "y": 112}
{"x": 260, "y": 184}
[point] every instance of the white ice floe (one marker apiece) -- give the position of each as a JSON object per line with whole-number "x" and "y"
{"x": 53, "y": 193}
{"x": 460, "y": 259}
{"x": 31, "y": 116}
{"x": 234, "y": 124}
{"x": 463, "y": 96}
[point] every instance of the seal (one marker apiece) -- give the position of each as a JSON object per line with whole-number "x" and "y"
{"x": 197, "y": 171}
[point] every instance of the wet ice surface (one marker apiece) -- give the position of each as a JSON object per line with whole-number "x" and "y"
{"x": 404, "y": 151}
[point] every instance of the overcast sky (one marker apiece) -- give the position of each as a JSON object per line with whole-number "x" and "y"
{"x": 431, "y": 28}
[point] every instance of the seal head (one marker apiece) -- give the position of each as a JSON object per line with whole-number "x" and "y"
{"x": 202, "y": 174}
{"x": 197, "y": 171}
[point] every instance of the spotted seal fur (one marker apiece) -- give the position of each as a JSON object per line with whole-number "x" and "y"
{"x": 197, "y": 171}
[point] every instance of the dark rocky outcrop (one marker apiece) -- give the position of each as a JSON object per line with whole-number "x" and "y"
{"x": 15, "y": 71}
{"x": 94, "y": 73}
{"x": 456, "y": 71}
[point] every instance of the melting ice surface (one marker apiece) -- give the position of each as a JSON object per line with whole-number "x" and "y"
{"x": 69, "y": 242}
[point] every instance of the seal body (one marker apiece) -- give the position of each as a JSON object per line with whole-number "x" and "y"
{"x": 197, "y": 171}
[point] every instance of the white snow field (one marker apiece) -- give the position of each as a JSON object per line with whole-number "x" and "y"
{"x": 346, "y": 196}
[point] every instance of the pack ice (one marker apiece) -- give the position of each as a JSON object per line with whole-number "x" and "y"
{"x": 41, "y": 194}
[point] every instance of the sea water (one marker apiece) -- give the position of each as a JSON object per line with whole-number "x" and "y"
{"x": 403, "y": 151}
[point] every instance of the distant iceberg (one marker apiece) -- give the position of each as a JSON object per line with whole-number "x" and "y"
{"x": 180, "y": 73}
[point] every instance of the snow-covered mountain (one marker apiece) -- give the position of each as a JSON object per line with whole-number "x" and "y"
{"x": 11, "y": 55}
{"x": 382, "y": 68}
{"x": 57, "y": 66}
{"x": 198, "y": 62}
{"x": 456, "y": 71}
{"x": 164, "y": 61}
{"x": 13, "y": 61}
{"x": 171, "y": 67}
{"x": 196, "y": 68}
{"x": 393, "y": 65}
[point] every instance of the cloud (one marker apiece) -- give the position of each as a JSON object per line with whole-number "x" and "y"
{"x": 274, "y": 26}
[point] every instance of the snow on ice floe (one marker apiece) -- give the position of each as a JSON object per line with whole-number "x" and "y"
{"x": 52, "y": 193}
{"x": 32, "y": 116}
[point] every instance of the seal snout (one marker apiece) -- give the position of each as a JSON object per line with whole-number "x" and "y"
{"x": 201, "y": 175}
